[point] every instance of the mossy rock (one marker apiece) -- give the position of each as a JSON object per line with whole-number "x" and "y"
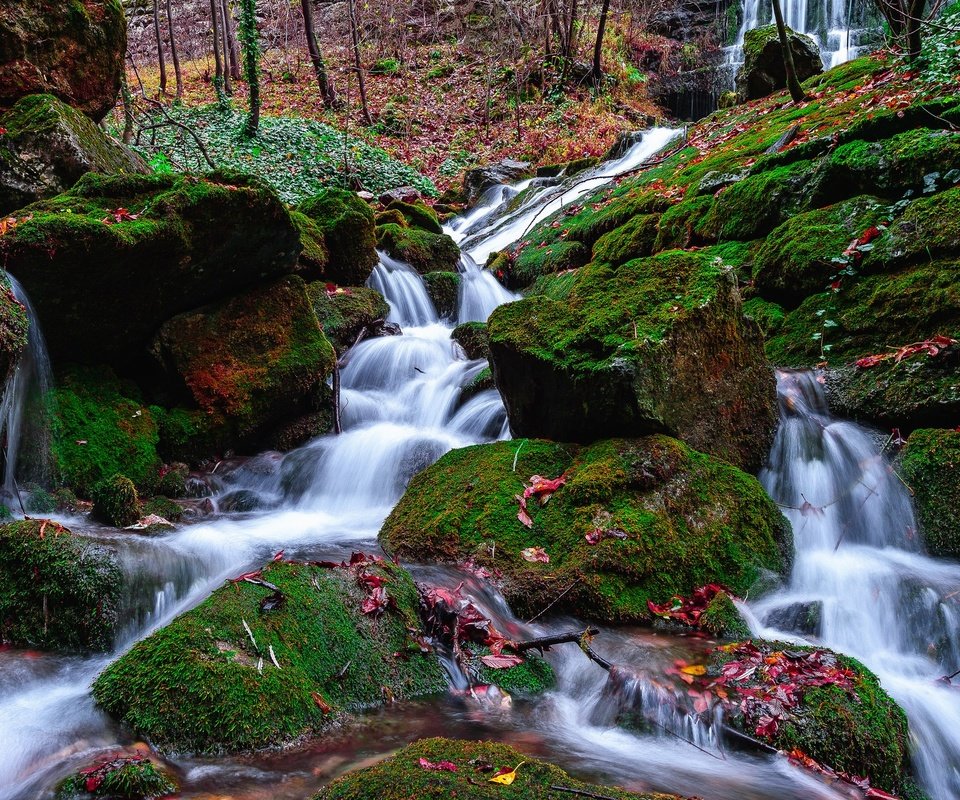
{"x": 481, "y": 382}
{"x": 535, "y": 260}
{"x": 682, "y": 224}
{"x": 123, "y": 778}
{"x": 689, "y": 520}
{"x": 163, "y": 507}
{"x": 342, "y": 315}
{"x": 860, "y": 731}
{"x": 800, "y": 256}
{"x": 928, "y": 229}
{"x": 74, "y": 51}
{"x": 769, "y": 316}
{"x": 195, "y": 685}
{"x": 102, "y": 427}
{"x": 48, "y": 146}
{"x": 634, "y": 239}
{"x": 472, "y": 337}
{"x": 252, "y": 363}
{"x": 659, "y": 345}
{"x": 346, "y": 224}
{"x": 763, "y": 71}
{"x": 402, "y": 777}
{"x": 115, "y": 501}
{"x": 930, "y": 464}
{"x": 421, "y": 249}
{"x": 444, "y": 291}
{"x": 314, "y": 257}
{"x": 60, "y": 591}
{"x": 721, "y": 617}
{"x": 102, "y": 286}
{"x": 173, "y": 480}
{"x": 14, "y": 327}
{"x": 417, "y": 215}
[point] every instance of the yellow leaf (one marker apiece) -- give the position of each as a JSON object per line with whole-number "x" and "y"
{"x": 506, "y": 778}
{"x": 694, "y": 669}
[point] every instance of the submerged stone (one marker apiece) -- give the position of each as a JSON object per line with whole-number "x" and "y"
{"x": 59, "y": 591}
{"x": 665, "y": 520}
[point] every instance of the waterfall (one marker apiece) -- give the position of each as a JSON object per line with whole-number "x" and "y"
{"x": 858, "y": 562}
{"x": 24, "y": 415}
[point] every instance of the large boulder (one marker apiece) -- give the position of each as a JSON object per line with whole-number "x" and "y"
{"x": 477, "y": 181}
{"x": 930, "y": 465}
{"x": 344, "y": 313}
{"x": 659, "y": 345}
{"x": 337, "y": 229}
{"x": 48, "y": 146}
{"x": 72, "y": 50}
{"x": 59, "y": 592}
{"x": 763, "y": 71}
{"x": 634, "y": 521}
{"x": 114, "y": 257}
{"x": 312, "y": 655}
{"x": 14, "y": 326}
{"x": 250, "y": 363}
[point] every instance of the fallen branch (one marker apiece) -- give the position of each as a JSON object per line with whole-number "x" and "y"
{"x": 595, "y": 657}
{"x": 544, "y": 642}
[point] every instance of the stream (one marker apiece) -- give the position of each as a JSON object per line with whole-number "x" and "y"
{"x": 881, "y": 599}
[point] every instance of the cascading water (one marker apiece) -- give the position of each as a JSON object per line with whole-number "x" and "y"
{"x": 860, "y": 568}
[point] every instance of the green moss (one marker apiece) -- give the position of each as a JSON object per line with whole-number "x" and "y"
{"x": 722, "y": 618}
{"x": 930, "y": 464}
{"x": 533, "y": 676}
{"x": 314, "y": 255}
{"x": 472, "y": 337}
{"x": 163, "y": 507}
{"x": 135, "y": 779}
{"x": 633, "y": 239}
{"x": 195, "y": 685}
{"x": 423, "y": 250}
{"x": 681, "y": 225}
{"x": 59, "y": 591}
{"x": 928, "y": 229}
{"x": 347, "y": 225}
{"x": 481, "y": 382}
{"x": 342, "y": 315}
{"x": 769, "y": 316}
{"x": 115, "y": 501}
{"x": 417, "y": 215}
{"x": 13, "y": 328}
{"x": 101, "y": 428}
{"x": 689, "y": 520}
{"x": 402, "y": 778}
{"x": 443, "y": 289}
{"x": 536, "y": 260}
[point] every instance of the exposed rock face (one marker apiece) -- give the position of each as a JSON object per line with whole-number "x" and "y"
{"x": 72, "y": 50}
{"x": 13, "y": 329}
{"x": 659, "y": 345}
{"x": 666, "y": 520}
{"x": 763, "y": 71}
{"x": 930, "y": 464}
{"x": 477, "y": 181}
{"x": 106, "y": 263}
{"x": 48, "y": 146}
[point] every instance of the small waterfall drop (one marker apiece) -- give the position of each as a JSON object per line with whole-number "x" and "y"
{"x": 24, "y": 412}
{"x": 860, "y": 565}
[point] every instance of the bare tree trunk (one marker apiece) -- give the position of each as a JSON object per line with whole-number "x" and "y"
{"x": 230, "y": 37}
{"x": 127, "y": 108}
{"x": 796, "y": 91}
{"x": 358, "y": 65}
{"x": 218, "y": 63}
{"x": 598, "y": 47}
{"x": 915, "y": 15}
{"x": 327, "y": 91}
{"x": 160, "y": 58}
{"x": 225, "y": 46}
{"x": 173, "y": 50}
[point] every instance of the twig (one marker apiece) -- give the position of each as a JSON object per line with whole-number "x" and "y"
{"x": 556, "y": 600}
{"x": 595, "y": 657}
{"x": 560, "y": 638}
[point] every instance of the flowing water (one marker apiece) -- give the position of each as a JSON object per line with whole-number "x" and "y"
{"x": 401, "y": 409}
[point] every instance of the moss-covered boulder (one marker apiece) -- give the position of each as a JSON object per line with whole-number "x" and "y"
{"x": 763, "y": 71}
{"x": 47, "y": 146}
{"x": 928, "y": 228}
{"x": 659, "y": 345}
{"x": 114, "y": 257}
{"x": 202, "y": 685}
{"x": 423, "y": 250}
{"x": 115, "y": 501}
{"x": 417, "y": 215}
{"x": 118, "y": 777}
{"x": 338, "y": 236}
{"x": 930, "y": 464}
{"x": 102, "y": 427}
{"x": 74, "y": 51}
{"x": 252, "y": 363}
{"x": 403, "y": 776}
{"x": 14, "y": 327}
{"x": 472, "y": 337}
{"x": 444, "y": 289}
{"x": 343, "y": 314}
{"x": 848, "y": 723}
{"x": 665, "y": 520}
{"x": 60, "y": 592}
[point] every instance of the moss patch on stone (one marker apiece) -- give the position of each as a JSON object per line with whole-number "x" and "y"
{"x": 928, "y": 229}
{"x": 195, "y": 684}
{"x": 443, "y": 289}
{"x": 115, "y": 501}
{"x": 342, "y": 315}
{"x": 346, "y": 224}
{"x": 472, "y": 337}
{"x": 930, "y": 464}
{"x": 123, "y": 779}
{"x": 14, "y": 326}
{"x": 688, "y": 519}
{"x": 60, "y": 592}
{"x": 421, "y": 249}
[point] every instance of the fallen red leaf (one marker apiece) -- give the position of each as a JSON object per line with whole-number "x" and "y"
{"x": 501, "y": 662}
{"x": 439, "y": 766}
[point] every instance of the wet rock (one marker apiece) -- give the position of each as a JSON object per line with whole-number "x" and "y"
{"x": 74, "y": 52}
{"x": 240, "y": 501}
{"x": 930, "y": 465}
{"x": 424, "y": 251}
{"x": 659, "y": 346}
{"x": 59, "y": 592}
{"x": 106, "y": 263}
{"x": 443, "y": 289}
{"x": 402, "y": 194}
{"x": 337, "y": 231}
{"x": 48, "y": 146}
{"x": 250, "y": 364}
{"x": 477, "y": 181}
{"x": 800, "y": 618}
{"x": 202, "y": 685}
{"x": 344, "y": 314}
{"x": 472, "y": 337}
{"x": 763, "y": 71}
{"x": 115, "y": 501}
{"x": 403, "y": 776}
{"x": 681, "y": 520}
{"x": 14, "y": 326}
{"x": 118, "y": 777}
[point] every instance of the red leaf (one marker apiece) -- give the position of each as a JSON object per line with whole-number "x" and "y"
{"x": 535, "y": 554}
{"x": 322, "y": 704}
{"x": 501, "y": 662}
{"x": 376, "y": 603}
{"x": 93, "y": 783}
{"x": 439, "y": 766}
